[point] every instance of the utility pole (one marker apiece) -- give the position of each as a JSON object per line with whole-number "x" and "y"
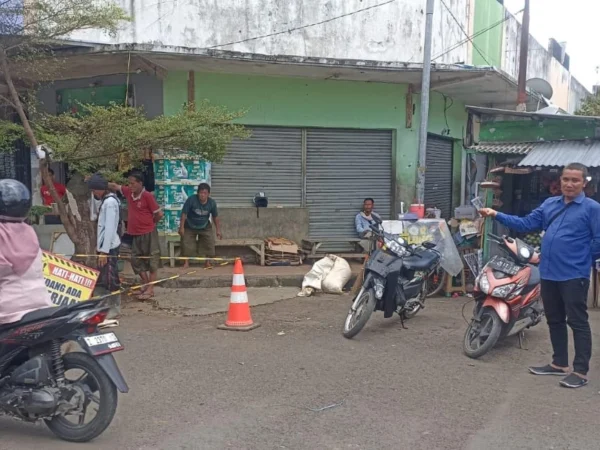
{"x": 424, "y": 119}
{"x": 522, "y": 96}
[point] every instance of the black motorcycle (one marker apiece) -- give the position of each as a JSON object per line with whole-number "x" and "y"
{"x": 395, "y": 280}
{"x": 75, "y": 393}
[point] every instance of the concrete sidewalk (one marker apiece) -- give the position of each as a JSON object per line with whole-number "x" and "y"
{"x": 221, "y": 276}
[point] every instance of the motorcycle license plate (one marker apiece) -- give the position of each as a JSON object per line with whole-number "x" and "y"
{"x": 99, "y": 344}
{"x": 504, "y": 265}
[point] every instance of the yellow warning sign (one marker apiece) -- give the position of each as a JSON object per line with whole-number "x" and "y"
{"x": 66, "y": 281}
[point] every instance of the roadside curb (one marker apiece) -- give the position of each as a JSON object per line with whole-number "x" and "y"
{"x": 221, "y": 281}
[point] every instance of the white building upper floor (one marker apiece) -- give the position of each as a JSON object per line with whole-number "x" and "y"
{"x": 375, "y": 30}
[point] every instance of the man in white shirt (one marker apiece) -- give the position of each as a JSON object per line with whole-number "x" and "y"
{"x": 108, "y": 241}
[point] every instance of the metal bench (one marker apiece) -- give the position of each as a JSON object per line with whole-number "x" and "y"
{"x": 311, "y": 246}
{"x": 256, "y": 245}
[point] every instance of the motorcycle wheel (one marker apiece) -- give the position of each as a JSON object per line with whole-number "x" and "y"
{"x": 103, "y": 396}
{"x": 481, "y": 337}
{"x": 410, "y": 313}
{"x": 356, "y": 320}
{"x": 436, "y": 281}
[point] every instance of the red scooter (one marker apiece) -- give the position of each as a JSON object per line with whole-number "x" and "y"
{"x": 507, "y": 297}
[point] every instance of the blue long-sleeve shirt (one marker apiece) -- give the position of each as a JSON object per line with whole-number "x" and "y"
{"x": 363, "y": 224}
{"x": 571, "y": 243}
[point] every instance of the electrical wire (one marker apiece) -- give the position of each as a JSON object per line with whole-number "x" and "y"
{"x": 446, "y": 108}
{"x": 479, "y": 33}
{"x": 464, "y": 32}
{"x": 463, "y": 310}
{"x": 464, "y": 41}
{"x": 302, "y": 27}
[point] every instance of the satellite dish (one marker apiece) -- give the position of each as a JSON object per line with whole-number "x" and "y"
{"x": 541, "y": 87}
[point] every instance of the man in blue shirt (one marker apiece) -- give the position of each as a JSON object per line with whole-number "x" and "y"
{"x": 571, "y": 243}
{"x": 363, "y": 222}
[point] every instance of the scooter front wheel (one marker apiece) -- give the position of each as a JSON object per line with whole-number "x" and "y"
{"x": 481, "y": 336}
{"x": 360, "y": 312}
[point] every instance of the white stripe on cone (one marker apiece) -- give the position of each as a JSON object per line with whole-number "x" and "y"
{"x": 238, "y": 279}
{"x": 239, "y": 297}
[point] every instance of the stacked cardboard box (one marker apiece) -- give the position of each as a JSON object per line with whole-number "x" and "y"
{"x": 281, "y": 252}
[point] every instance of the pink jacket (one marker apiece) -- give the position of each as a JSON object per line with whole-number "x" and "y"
{"x": 22, "y": 286}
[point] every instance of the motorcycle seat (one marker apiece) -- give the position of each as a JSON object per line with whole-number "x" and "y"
{"x": 425, "y": 261}
{"x": 36, "y": 316}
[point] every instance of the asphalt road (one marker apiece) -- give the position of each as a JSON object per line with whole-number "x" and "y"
{"x": 195, "y": 387}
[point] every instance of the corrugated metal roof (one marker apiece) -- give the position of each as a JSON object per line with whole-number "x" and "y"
{"x": 512, "y": 148}
{"x": 562, "y": 153}
{"x": 529, "y": 114}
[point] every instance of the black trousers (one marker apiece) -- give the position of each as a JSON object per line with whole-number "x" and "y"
{"x": 565, "y": 302}
{"x": 109, "y": 273}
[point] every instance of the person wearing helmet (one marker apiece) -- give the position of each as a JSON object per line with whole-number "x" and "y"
{"x": 22, "y": 285}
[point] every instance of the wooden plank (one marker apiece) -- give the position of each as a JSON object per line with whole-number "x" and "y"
{"x": 326, "y": 240}
{"x": 256, "y": 245}
{"x": 172, "y": 245}
{"x": 191, "y": 94}
{"x": 409, "y": 106}
{"x": 342, "y": 255}
{"x": 238, "y": 242}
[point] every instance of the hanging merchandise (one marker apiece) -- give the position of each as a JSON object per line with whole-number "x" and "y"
{"x": 177, "y": 178}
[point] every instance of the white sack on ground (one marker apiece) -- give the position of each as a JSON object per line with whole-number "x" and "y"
{"x": 329, "y": 274}
{"x": 337, "y": 277}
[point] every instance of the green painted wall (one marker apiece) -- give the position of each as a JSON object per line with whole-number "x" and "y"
{"x": 536, "y": 130}
{"x": 488, "y": 13}
{"x": 299, "y": 102}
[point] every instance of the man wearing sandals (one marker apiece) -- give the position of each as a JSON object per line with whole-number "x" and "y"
{"x": 571, "y": 242}
{"x": 143, "y": 213}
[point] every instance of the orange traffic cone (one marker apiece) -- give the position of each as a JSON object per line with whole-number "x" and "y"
{"x": 238, "y": 316}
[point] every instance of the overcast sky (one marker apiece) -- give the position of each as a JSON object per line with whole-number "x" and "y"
{"x": 575, "y": 21}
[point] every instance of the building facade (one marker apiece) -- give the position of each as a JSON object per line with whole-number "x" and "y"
{"x": 332, "y": 102}
{"x": 475, "y": 32}
{"x": 500, "y": 46}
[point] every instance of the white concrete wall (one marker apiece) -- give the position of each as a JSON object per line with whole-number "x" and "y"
{"x": 577, "y": 94}
{"x": 568, "y": 92}
{"x": 393, "y": 32}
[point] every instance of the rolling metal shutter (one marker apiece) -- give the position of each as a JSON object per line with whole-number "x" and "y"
{"x": 17, "y": 164}
{"x": 342, "y": 168}
{"x": 270, "y": 161}
{"x": 438, "y": 177}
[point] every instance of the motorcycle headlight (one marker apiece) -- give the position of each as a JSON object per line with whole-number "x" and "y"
{"x": 484, "y": 283}
{"x": 503, "y": 291}
{"x": 395, "y": 247}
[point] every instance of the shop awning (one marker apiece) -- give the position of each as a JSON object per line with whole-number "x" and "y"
{"x": 562, "y": 153}
{"x": 473, "y": 85}
{"x": 504, "y": 148}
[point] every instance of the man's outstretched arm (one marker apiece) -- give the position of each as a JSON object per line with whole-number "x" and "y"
{"x": 532, "y": 222}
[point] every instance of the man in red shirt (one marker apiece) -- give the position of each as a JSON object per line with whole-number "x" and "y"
{"x": 143, "y": 215}
{"x": 61, "y": 190}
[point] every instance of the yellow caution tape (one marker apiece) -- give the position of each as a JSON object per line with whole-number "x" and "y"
{"x": 187, "y": 258}
{"x": 152, "y": 283}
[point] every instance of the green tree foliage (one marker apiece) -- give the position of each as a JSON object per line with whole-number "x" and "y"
{"x": 590, "y": 107}
{"x": 107, "y": 139}
{"x": 101, "y": 136}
